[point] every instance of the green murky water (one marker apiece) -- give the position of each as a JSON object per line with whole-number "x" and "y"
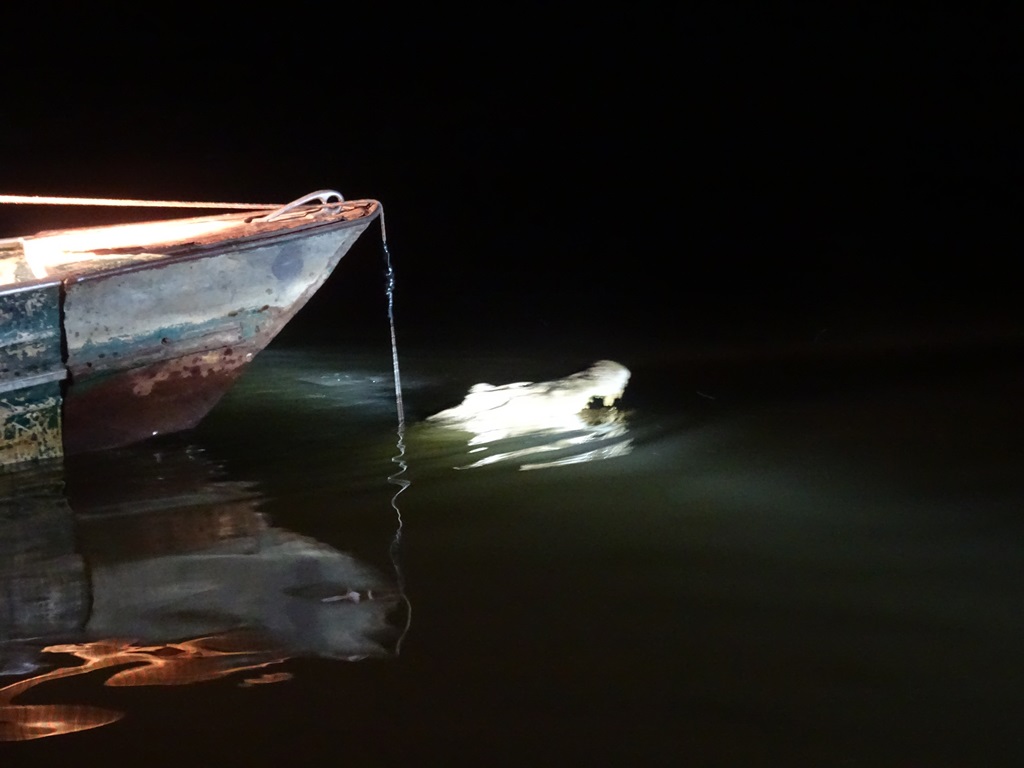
{"x": 766, "y": 562}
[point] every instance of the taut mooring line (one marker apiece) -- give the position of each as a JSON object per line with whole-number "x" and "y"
{"x": 127, "y": 202}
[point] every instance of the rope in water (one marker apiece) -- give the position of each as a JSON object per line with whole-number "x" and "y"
{"x": 390, "y": 272}
{"x": 128, "y": 203}
{"x": 399, "y": 458}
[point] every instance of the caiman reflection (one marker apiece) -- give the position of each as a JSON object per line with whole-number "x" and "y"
{"x": 172, "y": 577}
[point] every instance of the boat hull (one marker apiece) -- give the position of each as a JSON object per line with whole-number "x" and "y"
{"x": 31, "y": 372}
{"x": 105, "y": 344}
{"x": 151, "y": 350}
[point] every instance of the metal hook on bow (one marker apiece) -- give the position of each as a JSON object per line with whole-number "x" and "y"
{"x": 323, "y": 195}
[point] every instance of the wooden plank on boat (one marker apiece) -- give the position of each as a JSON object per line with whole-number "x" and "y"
{"x": 31, "y": 370}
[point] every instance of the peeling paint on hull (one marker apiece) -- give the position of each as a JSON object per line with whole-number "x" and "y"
{"x": 153, "y": 336}
{"x": 30, "y": 424}
{"x": 31, "y": 369}
{"x": 111, "y": 410}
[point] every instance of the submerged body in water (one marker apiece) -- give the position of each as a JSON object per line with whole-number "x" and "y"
{"x": 562, "y": 413}
{"x": 526, "y": 406}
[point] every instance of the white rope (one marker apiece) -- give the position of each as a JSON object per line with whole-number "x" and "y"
{"x": 399, "y": 458}
{"x": 126, "y": 203}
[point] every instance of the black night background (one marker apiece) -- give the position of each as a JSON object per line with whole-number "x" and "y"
{"x": 773, "y": 175}
{"x": 798, "y": 224}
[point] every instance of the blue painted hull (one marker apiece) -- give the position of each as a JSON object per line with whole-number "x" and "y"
{"x": 31, "y": 372}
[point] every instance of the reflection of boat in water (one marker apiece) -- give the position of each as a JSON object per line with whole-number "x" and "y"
{"x": 172, "y": 577}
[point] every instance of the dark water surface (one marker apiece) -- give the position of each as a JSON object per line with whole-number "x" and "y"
{"x": 769, "y": 560}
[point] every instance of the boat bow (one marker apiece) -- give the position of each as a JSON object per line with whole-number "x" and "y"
{"x": 152, "y": 322}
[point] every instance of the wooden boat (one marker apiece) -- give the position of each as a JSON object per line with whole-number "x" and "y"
{"x": 111, "y": 335}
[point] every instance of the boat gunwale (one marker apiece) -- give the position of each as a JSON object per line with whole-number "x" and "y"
{"x": 367, "y": 209}
{"x": 29, "y": 284}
